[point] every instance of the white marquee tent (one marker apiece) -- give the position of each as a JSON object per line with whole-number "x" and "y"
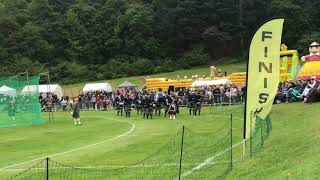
{"x": 199, "y": 83}
{"x": 127, "y": 85}
{"x": 7, "y": 90}
{"x": 45, "y": 88}
{"x": 97, "y": 87}
{"x": 31, "y": 88}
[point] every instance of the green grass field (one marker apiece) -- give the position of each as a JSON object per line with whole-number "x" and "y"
{"x": 142, "y": 138}
{"x": 73, "y": 89}
{"x": 293, "y": 150}
{"x": 110, "y": 142}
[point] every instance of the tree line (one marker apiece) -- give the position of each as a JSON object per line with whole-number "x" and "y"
{"x": 79, "y": 40}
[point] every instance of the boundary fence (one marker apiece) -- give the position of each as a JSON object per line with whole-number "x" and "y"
{"x": 260, "y": 131}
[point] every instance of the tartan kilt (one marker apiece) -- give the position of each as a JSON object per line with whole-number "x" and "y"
{"x": 76, "y": 115}
{"x": 119, "y": 106}
{"x": 190, "y": 104}
{"x": 127, "y": 108}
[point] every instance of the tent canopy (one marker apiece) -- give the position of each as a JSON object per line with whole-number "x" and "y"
{"x": 97, "y": 87}
{"x": 217, "y": 82}
{"x": 127, "y": 84}
{"x": 45, "y": 88}
{"x": 53, "y": 88}
{"x": 7, "y": 90}
{"x": 31, "y": 88}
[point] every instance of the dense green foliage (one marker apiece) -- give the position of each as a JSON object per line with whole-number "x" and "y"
{"x": 98, "y": 39}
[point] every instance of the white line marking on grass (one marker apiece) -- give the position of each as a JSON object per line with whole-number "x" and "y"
{"x": 159, "y": 134}
{"x": 208, "y": 161}
{"x": 133, "y": 126}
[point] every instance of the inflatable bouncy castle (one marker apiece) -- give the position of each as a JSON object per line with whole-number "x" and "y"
{"x": 154, "y": 84}
{"x": 289, "y": 63}
{"x": 238, "y": 79}
{"x": 311, "y": 66}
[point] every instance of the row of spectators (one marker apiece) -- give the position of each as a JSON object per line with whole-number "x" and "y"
{"x": 100, "y": 100}
{"x": 288, "y": 92}
{"x": 21, "y": 102}
{"x": 51, "y": 101}
{"x": 302, "y": 91}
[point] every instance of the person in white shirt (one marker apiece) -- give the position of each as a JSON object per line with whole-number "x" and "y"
{"x": 307, "y": 89}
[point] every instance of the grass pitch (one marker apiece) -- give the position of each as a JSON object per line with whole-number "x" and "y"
{"x": 104, "y": 140}
{"x": 292, "y": 150}
{"x": 111, "y": 142}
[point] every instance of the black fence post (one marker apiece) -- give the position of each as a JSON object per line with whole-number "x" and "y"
{"x": 231, "y": 142}
{"x": 231, "y": 161}
{"x": 47, "y": 168}
{"x": 181, "y": 151}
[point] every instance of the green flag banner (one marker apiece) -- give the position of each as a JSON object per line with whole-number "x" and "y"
{"x": 263, "y": 72}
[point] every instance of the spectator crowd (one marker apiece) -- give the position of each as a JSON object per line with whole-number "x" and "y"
{"x": 101, "y": 100}
{"x": 302, "y": 91}
{"x": 305, "y": 91}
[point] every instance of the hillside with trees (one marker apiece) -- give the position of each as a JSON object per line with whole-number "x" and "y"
{"x": 80, "y": 40}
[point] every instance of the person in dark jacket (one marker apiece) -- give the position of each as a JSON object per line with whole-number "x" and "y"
{"x": 197, "y": 104}
{"x": 148, "y": 107}
{"x": 119, "y": 104}
{"x": 12, "y": 111}
{"x": 167, "y": 102}
{"x": 172, "y": 110}
{"x": 127, "y": 105}
{"x": 191, "y": 101}
{"x": 76, "y": 112}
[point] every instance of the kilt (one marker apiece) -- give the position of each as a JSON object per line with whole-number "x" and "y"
{"x": 127, "y": 108}
{"x": 11, "y": 113}
{"x": 76, "y": 114}
{"x": 190, "y": 104}
{"x": 120, "y": 106}
{"x": 172, "y": 112}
